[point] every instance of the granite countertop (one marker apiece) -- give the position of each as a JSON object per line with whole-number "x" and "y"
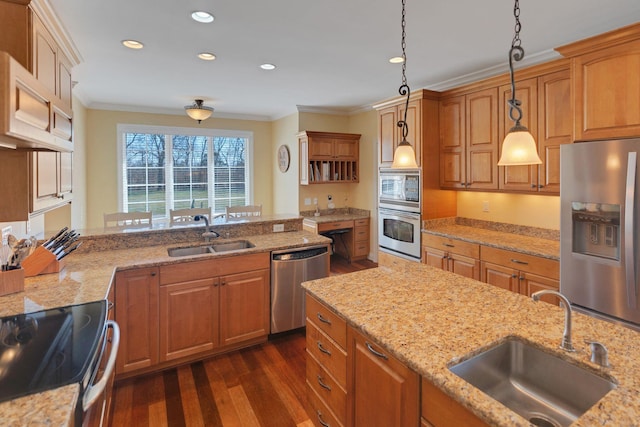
{"x": 531, "y": 245}
{"x": 334, "y": 215}
{"x": 88, "y": 277}
{"x": 431, "y": 319}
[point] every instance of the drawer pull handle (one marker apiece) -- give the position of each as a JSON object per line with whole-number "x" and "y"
{"x": 322, "y": 383}
{"x": 322, "y": 422}
{"x": 517, "y": 261}
{"x": 322, "y": 349}
{"x": 449, "y": 245}
{"x": 377, "y": 353}
{"x": 323, "y": 319}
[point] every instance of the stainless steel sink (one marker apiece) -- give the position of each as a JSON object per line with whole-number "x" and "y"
{"x": 193, "y": 250}
{"x": 232, "y": 246}
{"x": 541, "y": 387}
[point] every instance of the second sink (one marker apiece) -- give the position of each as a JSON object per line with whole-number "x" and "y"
{"x": 541, "y": 387}
{"x": 232, "y": 246}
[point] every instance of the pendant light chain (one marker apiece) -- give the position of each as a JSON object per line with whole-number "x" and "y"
{"x": 404, "y": 88}
{"x": 515, "y": 53}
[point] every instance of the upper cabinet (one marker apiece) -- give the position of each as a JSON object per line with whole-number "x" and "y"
{"x": 328, "y": 157}
{"x": 606, "y": 83}
{"x": 35, "y": 82}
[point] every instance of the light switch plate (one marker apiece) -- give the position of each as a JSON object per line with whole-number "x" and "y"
{"x": 307, "y": 201}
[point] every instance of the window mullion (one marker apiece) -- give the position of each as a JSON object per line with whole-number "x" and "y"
{"x": 168, "y": 175}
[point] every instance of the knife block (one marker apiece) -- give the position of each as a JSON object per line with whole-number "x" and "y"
{"x": 41, "y": 261}
{"x": 11, "y": 281}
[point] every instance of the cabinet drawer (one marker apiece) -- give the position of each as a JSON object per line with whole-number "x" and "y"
{"x": 361, "y": 234}
{"x": 523, "y": 262}
{"x": 326, "y": 320}
{"x": 327, "y": 388}
{"x": 337, "y": 225}
{"x": 364, "y": 222}
{"x": 328, "y": 354}
{"x": 361, "y": 248}
{"x": 451, "y": 245}
{"x": 195, "y": 270}
{"x": 320, "y": 415}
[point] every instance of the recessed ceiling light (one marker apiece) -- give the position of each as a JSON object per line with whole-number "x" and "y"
{"x": 396, "y": 60}
{"x": 202, "y": 16}
{"x": 206, "y": 56}
{"x": 268, "y": 67}
{"x": 132, "y": 44}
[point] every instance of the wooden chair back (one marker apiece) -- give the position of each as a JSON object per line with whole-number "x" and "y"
{"x": 185, "y": 216}
{"x": 243, "y": 211}
{"x": 125, "y": 220}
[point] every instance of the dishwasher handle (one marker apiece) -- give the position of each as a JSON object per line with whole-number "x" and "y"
{"x": 294, "y": 255}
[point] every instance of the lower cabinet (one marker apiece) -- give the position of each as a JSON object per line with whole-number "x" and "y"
{"x": 440, "y": 410}
{"x": 452, "y": 255}
{"x": 178, "y": 313}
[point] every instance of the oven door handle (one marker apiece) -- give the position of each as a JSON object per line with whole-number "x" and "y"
{"x": 399, "y": 214}
{"x": 94, "y": 391}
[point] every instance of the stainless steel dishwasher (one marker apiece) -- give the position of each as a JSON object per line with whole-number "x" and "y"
{"x": 289, "y": 268}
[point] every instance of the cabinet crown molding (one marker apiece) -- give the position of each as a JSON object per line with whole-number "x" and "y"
{"x": 601, "y": 41}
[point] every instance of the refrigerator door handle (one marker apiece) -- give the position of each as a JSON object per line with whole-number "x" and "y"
{"x": 629, "y": 221}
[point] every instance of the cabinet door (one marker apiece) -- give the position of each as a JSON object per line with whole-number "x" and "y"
{"x": 387, "y": 135}
{"x": 244, "y": 306}
{"x": 519, "y": 178}
{"x": 136, "y": 294}
{"x": 321, "y": 148}
{"x": 482, "y": 139}
{"x": 435, "y": 257}
{"x": 500, "y": 276}
{"x": 464, "y": 266}
{"x": 45, "y": 55}
{"x": 533, "y": 283}
{"x": 385, "y": 392}
{"x": 452, "y": 143}
{"x": 45, "y": 180}
{"x": 607, "y": 89}
{"x": 65, "y": 174}
{"x": 439, "y": 409}
{"x": 346, "y": 149}
{"x": 188, "y": 318}
{"x": 414, "y": 135}
{"x": 555, "y": 124}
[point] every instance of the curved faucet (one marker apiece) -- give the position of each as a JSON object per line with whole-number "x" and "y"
{"x": 208, "y": 234}
{"x": 566, "y": 336}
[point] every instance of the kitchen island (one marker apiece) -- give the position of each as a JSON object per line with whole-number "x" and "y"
{"x": 88, "y": 276}
{"x": 430, "y": 319}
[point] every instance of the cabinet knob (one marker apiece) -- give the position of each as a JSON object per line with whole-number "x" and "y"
{"x": 153, "y": 274}
{"x": 521, "y": 278}
{"x": 513, "y": 276}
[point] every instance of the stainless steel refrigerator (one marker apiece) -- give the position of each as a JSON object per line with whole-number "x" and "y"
{"x": 600, "y": 228}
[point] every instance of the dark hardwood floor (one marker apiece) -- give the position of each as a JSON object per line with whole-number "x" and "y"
{"x": 262, "y": 386}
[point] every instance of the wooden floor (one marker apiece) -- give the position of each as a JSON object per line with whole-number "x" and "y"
{"x": 262, "y": 386}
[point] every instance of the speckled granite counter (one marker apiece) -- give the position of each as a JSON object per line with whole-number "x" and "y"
{"x": 538, "y": 242}
{"x": 431, "y": 319}
{"x": 88, "y": 277}
{"x": 343, "y": 214}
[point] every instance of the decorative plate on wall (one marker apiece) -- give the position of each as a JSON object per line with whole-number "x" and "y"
{"x": 283, "y": 158}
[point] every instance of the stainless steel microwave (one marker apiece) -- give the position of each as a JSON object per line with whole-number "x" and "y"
{"x": 399, "y": 189}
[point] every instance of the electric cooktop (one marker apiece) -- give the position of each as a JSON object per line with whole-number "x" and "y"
{"x": 48, "y": 349}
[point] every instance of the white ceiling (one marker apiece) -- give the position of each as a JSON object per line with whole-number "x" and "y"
{"x": 331, "y": 54}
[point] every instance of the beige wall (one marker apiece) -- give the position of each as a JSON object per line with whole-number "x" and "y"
{"x": 285, "y": 185}
{"x": 102, "y": 152}
{"x": 520, "y": 209}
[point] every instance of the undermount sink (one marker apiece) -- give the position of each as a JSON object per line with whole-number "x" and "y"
{"x": 232, "y": 246}
{"x": 193, "y": 250}
{"x": 541, "y": 387}
{"x": 216, "y": 247}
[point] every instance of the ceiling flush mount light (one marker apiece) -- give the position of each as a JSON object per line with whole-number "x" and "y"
{"x": 396, "y": 60}
{"x": 198, "y": 111}
{"x": 202, "y": 16}
{"x": 268, "y": 67}
{"x": 518, "y": 147}
{"x": 404, "y": 156}
{"x": 206, "y": 56}
{"x": 132, "y": 44}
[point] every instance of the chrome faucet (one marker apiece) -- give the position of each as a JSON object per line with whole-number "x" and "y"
{"x": 208, "y": 234}
{"x": 566, "y": 335}
{"x": 599, "y": 353}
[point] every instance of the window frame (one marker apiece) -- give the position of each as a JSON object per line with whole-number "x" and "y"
{"x": 169, "y": 132}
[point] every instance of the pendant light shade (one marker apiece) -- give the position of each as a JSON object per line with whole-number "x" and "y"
{"x": 198, "y": 111}
{"x": 518, "y": 147}
{"x": 404, "y": 156}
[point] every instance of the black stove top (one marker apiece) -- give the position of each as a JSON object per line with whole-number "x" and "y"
{"x": 48, "y": 349}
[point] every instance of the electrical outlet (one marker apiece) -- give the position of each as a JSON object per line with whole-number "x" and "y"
{"x": 315, "y": 200}
{"x": 277, "y": 228}
{"x": 485, "y": 206}
{"x": 307, "y": 201}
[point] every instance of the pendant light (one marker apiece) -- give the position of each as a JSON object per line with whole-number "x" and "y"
{"x": 198, "y": 111}
{"x": 518, "y": 147}
{"x": 404, "y": 156}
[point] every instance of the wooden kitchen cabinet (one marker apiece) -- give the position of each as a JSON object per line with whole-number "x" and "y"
{"x": 452, "y": 255}
{"x": 440, "y": 410}
{"x": 52, "y": 181}
{"x": 327, "y": 157}
{"x": 385, "y": 391}
{"x": 136, "y": 311}
{"x": 606, "y": 84}
{"x": 360, "y": 239}
{"x": 353, "y": 244}
{"x": 469, "y": 141}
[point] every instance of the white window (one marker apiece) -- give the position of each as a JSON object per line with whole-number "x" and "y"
{"x": 162, "y": 168}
